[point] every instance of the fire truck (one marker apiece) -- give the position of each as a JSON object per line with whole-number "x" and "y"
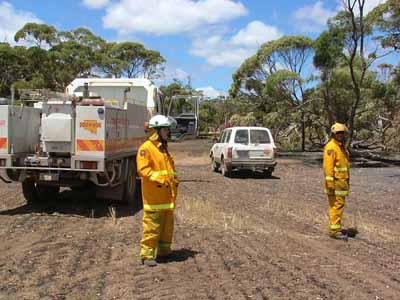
{"x": 85, "y": 138}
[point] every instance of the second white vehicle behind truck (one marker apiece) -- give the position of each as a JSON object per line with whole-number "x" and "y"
{"x": 250, "y": 148}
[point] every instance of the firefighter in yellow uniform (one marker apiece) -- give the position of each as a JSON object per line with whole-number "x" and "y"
{"x": 336, "y": 178}
{"x": 155, "y": 166}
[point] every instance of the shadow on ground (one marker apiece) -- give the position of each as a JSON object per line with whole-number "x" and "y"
{"x": 350, "y": 232}
{"x": 81, "y": 203}
{"x": 244, "y": 174}
{"x": 178, "y": 256}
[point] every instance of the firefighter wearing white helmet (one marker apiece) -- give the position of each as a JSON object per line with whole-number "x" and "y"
{"x": 156, "y": 168}
{"x": 336, "y": 178}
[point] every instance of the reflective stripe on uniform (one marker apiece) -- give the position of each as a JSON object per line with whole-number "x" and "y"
{"x": 147, "y": 252}
{"x": 156, "y": 174}
{"x": 329, "y": 178}
{"x": 340, "y": 169}
{"x": 158, "y": 206}
{"x": 341, "y": 193}
{"x": 334, "y": 226}
{"x": 337, "y": 193}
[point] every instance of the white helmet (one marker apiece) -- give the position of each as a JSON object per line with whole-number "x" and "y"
{"x": 338, "y": 127}
{"x": 159, "y": 121}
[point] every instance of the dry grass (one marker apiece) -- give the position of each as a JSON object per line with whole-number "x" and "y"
{"x": 205, "y": 213}
{"x": 314, "y": 215}
{"x": 375, "y": 232}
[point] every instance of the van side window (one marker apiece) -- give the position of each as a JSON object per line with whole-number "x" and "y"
{"x": 259, "y": 137}
{"x": 242, "y": 136}
{"x": 227, "y": 136}
{"x": 221, "y": 137}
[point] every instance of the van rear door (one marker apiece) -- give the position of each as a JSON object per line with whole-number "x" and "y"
{"x": 261, "y": 146}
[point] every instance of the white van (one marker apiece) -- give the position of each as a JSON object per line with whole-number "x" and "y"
{"x": 244, "y": 148}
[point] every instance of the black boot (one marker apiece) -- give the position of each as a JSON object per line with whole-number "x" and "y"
{"x": 339, "y": 236}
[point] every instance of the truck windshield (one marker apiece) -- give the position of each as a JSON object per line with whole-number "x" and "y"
{"x": 259, "y": 136}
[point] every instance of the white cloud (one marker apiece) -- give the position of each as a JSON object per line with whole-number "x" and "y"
{"x": 95, "y": 4}
{"x": 171, "y": 73}
{"x": 312, "y": 18}
{"x": 219, "y": 50}
{"x": 13, "y": 20}
{"x": 176, "y": 73}
{"x": 211, "y": 92}
{"x": 169, "y": 16}
{"x": 370, "y": 4}
{"x": 255, "y": 33}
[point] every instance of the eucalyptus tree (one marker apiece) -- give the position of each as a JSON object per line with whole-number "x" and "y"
{"x": 40, "y": 35}
{"x": 386, "y": 17}
{"x": 13, "y": 66}
{"x": 357, "y": 32}
{"x": 277, "y": 78}
{"x": 328, "y": 53}
{"x": 75, "y": 55}
{"x": 130, "y": 59}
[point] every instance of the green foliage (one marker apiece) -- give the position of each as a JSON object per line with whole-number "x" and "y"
{"x": 274, "y": 86}
{"x": 244, "y": 120}
{"x": 53, "y": 59}
{"x": 130, "y": 59}
{"x": 386, "y": 17}
{"x": 328, "y": 49}
{"x": 169, "y": 102}
{"x": 38, "y": 34}
{"x": 208, "y": 116}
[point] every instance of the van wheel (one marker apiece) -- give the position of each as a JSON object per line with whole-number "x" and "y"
{"x": 214, "y": 165}
{"x": 225, "y": 169}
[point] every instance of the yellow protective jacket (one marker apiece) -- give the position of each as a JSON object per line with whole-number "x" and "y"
{"x": 156, "y": 167}
{"x": 336, "y": 168}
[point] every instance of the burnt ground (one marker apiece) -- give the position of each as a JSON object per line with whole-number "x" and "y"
{"x": 245, "y": 237}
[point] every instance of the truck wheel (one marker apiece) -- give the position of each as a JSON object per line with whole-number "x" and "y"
{"x": 225, "y": 169}
{"x": 131, "y": 186}
{"x": 29, "y": 192}
{"x": 47, "y": 193}
{"x": 267, "y": 173}
{"x": 214, "y": 165}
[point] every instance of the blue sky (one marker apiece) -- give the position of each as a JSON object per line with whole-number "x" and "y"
{"x": 206, "y": 39}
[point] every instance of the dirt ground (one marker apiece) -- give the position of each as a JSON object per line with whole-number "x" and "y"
{"x": 245, "y": 237}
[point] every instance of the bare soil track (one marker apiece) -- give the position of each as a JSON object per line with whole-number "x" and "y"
{"x": 245, "y": 237}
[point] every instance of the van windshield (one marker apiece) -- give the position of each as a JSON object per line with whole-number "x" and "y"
{"x": 259, "y": 136}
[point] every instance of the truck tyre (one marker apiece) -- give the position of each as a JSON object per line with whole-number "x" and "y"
{"x": 267, "y": 173}
{"x": 29, "y": 192}
{"x": 131, "y": 185}
{"x": 214, "y": 165}
{"x": 225, "y": 169}
{"x": 47, "y": 193}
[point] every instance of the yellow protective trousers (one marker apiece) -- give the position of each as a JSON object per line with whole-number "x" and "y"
{"x": 336, "y": 206}
{"x": 157, "y": 231}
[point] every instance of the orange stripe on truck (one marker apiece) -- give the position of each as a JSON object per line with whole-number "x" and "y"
{"x": 128, "y": 144}
{"x": 3, "y": 143}
{"x": 90, "y": 145}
